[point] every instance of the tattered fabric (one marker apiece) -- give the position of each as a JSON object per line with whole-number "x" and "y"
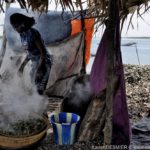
{"x": 120, "y": 133}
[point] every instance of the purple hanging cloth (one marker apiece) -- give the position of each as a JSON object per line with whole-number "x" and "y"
{"x": 121, "y": 127}
{"x": 98, "y": 72}
{"x": 98, "y": 82}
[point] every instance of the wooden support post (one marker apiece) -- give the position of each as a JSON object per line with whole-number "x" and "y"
{"x": 4, "y": 41}
{"x": 3, "y": 47}
{"x": 111, "y": 76}
{"x": 100, "y": 112}
{"x": 83, "y": 69}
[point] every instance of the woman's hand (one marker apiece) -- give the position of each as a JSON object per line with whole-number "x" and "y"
{"x": 20, "y": 70}
{"x": 40, "y": 72}
{"x": 38, "y": 76}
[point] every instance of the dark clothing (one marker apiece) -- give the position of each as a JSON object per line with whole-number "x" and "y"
{"x": 34, "y": 54}
{"x": 27, "y": 40}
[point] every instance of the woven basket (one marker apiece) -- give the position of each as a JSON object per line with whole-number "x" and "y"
{"x": 13, "y": 142}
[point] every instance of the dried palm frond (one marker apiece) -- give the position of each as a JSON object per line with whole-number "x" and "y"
{"x": 22, "y": 3}
{"x": 1, "y": 5}
{"x": 95, "y": 8}
{"x": 38, "y": 5}
{"x": 134, "y": 7}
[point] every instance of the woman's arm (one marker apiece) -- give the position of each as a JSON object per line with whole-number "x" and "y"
{"x": 21, "y": 68}
{"x": 39, "y": 44}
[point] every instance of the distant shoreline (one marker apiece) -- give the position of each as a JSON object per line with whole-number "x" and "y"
{"x": 121, "y": 37}
{"x": 136, "y": 37}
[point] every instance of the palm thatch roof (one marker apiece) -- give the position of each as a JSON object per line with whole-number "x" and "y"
{"x": 95, "y": 8}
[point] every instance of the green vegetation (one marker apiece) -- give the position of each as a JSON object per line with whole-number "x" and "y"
{"x": 21, "y": 127}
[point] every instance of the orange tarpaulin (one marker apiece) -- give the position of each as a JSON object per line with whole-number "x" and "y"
{"x": 89, "y": 26}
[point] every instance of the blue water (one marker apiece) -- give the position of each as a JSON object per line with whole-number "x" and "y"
{"x": 129, "y": 54}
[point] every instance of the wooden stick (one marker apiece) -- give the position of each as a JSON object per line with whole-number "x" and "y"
{"x": 4, "y": 41}
{"x": 111, "y": 77}
{"x": 3, "y": 48}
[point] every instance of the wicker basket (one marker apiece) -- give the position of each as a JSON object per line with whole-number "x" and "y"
{"x": 13, "y": 142}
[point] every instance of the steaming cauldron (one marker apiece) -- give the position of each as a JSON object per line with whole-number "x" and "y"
{"x": 22, "y": 141}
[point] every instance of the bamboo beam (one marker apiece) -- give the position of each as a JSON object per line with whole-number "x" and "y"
{"x": 3, "y": 48}
{"x": 83, "y": 69}
{"x": 111, "y": 77}
{"x": 100, "y": 111}
{"x": 4, "y": 41}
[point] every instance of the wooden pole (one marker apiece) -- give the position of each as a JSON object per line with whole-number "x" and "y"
{"x": 4, "y": 41}
{"x": 111, "y": 76}
{"x": 83, "y": 69}
{"x": 3, "y": 48}
{"x": 98, "y": 117}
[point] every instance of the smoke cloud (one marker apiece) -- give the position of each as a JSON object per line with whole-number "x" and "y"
{"x": 79, "y": 98}
{"x": 18, "y": 99}
{"x": 82, "y": 93}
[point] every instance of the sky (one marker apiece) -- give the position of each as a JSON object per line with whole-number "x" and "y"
{"x": 141, "y": 28}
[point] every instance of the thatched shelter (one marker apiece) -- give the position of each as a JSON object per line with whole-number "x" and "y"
{"x": 103, "y": 114}
{"x": 95, "y": 8}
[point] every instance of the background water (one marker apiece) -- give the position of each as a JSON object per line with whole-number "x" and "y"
{"x": 129, "y": 54}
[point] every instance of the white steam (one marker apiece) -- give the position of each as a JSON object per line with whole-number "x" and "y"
{"x": 17, "y": 98}
{"x": 81, "y": 94}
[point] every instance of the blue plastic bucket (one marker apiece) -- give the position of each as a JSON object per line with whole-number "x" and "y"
{"x": 64, "y": 127}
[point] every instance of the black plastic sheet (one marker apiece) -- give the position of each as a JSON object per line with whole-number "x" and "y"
{"x": 141, "y": 135}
